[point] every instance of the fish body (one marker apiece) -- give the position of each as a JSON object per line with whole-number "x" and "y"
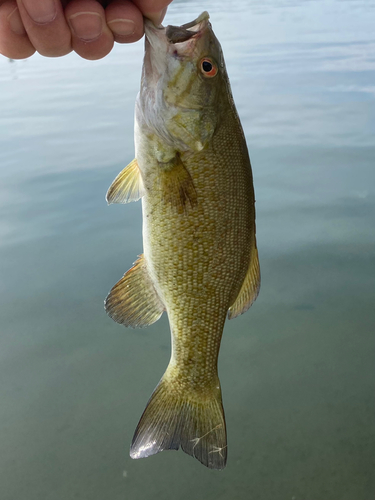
{"x": 200, "y": 261}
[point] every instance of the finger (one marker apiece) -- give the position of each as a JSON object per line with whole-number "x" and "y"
{"x": 91, "y": 37}
{"x": 14, "y": 42}
{"x": 46, "y": 26}
{"x": 125, "y": 21}
{"x": 153, "y": 9}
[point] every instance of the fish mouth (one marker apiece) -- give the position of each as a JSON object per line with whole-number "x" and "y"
{"x": 178, "y": 34}
{"x": 183, "y": 33}
{"x": 175, "y": 41}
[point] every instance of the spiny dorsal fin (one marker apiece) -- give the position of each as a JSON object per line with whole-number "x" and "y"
{"x": 176, "y": 184}
{"x": 250, "y": 287}
{"x": 127, "y": 186}
{"x": 133, "y": 301}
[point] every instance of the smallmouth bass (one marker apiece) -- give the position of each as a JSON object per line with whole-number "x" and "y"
{"x": 200, "y": 261}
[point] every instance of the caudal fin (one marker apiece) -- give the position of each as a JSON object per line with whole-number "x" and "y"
{"x": 171, "y": 420}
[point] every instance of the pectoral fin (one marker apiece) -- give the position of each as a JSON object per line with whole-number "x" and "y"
{"x": 133, "y": 301}
{"x": 176, "y": 184}
{"x": 250, "y": 287}
{"x": 127, "y": 186}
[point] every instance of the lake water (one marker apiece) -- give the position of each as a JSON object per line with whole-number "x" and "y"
{"x": 297, "y": 370}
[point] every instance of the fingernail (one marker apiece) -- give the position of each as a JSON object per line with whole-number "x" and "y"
{"x": 162, "y": 14}
{"x": 157, "y": 17}
{"x": 41, "y": 12}
{"x": 15, "y": 22}
{"x": 122, "y": 27}
{"x": 86, "y": 25}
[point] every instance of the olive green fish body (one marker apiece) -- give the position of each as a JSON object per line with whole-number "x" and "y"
{"x": 198, "y": 257}
{"x": 192, "y": 171}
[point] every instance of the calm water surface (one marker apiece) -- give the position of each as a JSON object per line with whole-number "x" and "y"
{"x": 297, "y": 370}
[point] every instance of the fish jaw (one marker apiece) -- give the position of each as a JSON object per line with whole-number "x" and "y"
{"x": 156, "y": 46}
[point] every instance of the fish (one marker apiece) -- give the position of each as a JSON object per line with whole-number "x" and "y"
{"x": 200, "y": 261}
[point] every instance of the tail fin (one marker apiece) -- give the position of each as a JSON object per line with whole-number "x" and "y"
{"x": 171, "y": 420}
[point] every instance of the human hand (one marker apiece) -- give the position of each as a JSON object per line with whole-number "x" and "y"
{"x": 89, "y": 27}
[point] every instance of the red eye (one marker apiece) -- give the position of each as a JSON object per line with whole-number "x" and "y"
{"x": 208, "y": 67}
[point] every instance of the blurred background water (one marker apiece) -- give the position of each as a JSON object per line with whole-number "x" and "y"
{"x": 297, "y": 370}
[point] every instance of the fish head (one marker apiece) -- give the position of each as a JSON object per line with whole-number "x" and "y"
{"x": 183, "y": 77}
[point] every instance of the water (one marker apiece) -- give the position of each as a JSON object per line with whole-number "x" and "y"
{"x": 297, "y": 370}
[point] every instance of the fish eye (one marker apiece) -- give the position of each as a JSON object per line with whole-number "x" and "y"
{"x": 208, "y": 67}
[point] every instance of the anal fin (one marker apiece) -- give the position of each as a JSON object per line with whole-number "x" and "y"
{"x": 127, "y": 186}
{"x": 250, "y": 287}
{"x": 133, "y": 301}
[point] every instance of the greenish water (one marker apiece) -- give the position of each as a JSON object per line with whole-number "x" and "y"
{"x": 297, "y": 371}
